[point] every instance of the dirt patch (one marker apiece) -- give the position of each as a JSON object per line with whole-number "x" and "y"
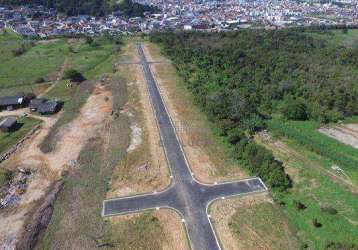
{"x": 207, "y": 158}
{"x": 221, "y": 213}
{"x": 47, "y": 168}
{"x": 144, "y": 149}
{"x": 345, "y": 133}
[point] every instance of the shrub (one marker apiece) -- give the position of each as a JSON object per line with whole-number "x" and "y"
{"x": 5, "y": 176}
{"x": 316, "y": 223}
{"x": 299, "y": 205}
{"x": 73, "y": 75}
{"x": 39, "y": 80}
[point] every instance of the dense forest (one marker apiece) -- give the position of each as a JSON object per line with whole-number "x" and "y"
{"x": 90, "y": 7}
{"x": 241, "y": 79}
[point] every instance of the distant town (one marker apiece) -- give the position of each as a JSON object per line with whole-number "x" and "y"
{"x": 184, "y": 15}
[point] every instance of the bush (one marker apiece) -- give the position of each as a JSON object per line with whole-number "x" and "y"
{"x": 5, "y": 177}
{"x": 316, "y": 223}
{"x": 73, "y": 75}
{"x": 299, "y": 205}
{"x": 39, "y": 80}
{"x": 294, "y": 110}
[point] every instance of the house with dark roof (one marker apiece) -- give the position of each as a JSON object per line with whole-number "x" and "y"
{"x": 36, "y": 103}
{"x": 13, "y": 102}
{"x": 49, "y": 107}
{"x": 8, "y": 124}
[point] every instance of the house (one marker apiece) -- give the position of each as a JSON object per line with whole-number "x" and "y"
{"x": 8, "y": 124}
{"x": 35, "y": 104}
{"x": 49, "y": 107}
{"x": 12, "y": 102}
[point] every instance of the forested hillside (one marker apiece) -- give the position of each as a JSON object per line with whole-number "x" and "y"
{"x": 91, "y": 7}
{"x": 241, "y": 79}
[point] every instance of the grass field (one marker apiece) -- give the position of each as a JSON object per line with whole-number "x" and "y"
{"x": 262, "y": 225}
{"x": 305, "y": 133}
{"x": 9, "y": 139}
{"x": 317, "y": 190}
{"x": 39, "y": 61}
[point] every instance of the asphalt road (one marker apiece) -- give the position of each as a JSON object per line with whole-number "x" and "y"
{"x": 185, "y": 194}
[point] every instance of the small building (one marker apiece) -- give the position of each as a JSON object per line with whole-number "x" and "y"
{"x": 8, "y": 124}
{"x": 36, "y": 103}
{"x": 49, "y": 107}
{"x": 12, "y": 102}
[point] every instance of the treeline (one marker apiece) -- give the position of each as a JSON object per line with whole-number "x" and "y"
{"x": 90, "y": 7}
{"x": 242, "y": 78}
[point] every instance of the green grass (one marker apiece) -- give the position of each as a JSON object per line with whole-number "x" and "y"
{"x": 335, "y": 37}
{"x": 305, "y": 133}
{"x": 9, "y": 139}
{"x": 39, "y": 61}
{"x": 9, "y": 41}
{"x": 269, "y": 224}
{"x": 315, "y": 188}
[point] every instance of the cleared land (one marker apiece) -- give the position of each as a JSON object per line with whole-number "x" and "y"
{"x": 143, "y": 169}
{"x": 252, "y": 222}
{"x": 347, "y": 133}
{"x": 317, "y": 194}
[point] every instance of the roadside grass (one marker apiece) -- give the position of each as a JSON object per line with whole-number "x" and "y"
{"x": 305, "y": 133}
{"x": 38, "y": 61}
{"x": 9, "y": 139}
{"x": 262, "y": 226}
{"x": 319, "y": 193}
{"x": 195, "y": 123}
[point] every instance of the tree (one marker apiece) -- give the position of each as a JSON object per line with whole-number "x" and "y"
{"x": 73, "y": 75}
{"x": 294, "y": 109}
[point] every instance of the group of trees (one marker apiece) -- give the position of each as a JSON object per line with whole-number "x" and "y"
{"x": 90, "y": 7}
{"x": 241, "y": 78}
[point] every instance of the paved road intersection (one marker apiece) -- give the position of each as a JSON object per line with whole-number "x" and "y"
{"x": 185, "y": 194}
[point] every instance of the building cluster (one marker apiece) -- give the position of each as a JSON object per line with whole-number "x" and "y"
{"x": 231, "y": 14}
{"x": 184, "y": 15}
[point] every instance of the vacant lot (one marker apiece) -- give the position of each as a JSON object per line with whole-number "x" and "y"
{"x": 317, "y": 195}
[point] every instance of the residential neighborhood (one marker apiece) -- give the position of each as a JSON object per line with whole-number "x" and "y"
{"x": 183, "y": 15}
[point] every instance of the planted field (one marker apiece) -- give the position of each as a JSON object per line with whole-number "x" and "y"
{"x": 9, "y": 139}
{"x": 305, "y": 133}
{"x": 321, "y": 207}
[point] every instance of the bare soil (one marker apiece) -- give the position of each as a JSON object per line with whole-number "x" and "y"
{"x": 345, "y": 133}
{"x": 47, "y": 168}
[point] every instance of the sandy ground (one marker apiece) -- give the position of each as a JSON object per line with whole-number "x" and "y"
{"x": 223, "y": 210}
{"x": 198, "y": 156}
{"x": 48, "y": 167}
{"x": 345, "y": 133}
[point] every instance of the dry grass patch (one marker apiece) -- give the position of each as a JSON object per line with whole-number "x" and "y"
{"x": 252, "y": 222}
